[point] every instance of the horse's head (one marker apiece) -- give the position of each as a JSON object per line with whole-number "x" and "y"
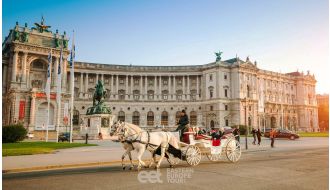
{"x": 118, "y": 129}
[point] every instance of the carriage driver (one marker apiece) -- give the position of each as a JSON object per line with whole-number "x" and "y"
{"x": 182, "y": 122}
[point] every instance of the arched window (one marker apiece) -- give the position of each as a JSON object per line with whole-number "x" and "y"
{"x": 136, "y": 118}
{"x": 150, "y": 94}
{"x": 164, "y": 118}
{"x": 136, "y": 94}
{"x": 121, "y": 116}
{"x": 179, "y": 94}
{"x": 75, "y": 119}
{"x": 248, "y": 91}
{"x": 212, "y": 124}
{"x": 211, "y": 88}
{"x": 121, "y": 94}
{"x": 150, "y": 118}
{"x": 38, "y": 64}
{"x": 193, "y": 118}
{"x": 165, "y": 94}
{"x": 177, "y": 116}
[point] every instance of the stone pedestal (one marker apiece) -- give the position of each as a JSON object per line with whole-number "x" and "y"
{"x": 96, "y": 123}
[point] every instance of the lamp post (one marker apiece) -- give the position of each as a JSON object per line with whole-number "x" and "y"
{"x": 246, "y": 128}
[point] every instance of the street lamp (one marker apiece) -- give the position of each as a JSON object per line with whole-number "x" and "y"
{"x": 246, "y": 129}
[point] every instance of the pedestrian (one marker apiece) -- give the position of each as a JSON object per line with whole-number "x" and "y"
{"x": 272, "y": 135}
{"x": 100, "y": 136}
{"x": 182, "y": 123}
{"x": 259, "y": 136}
{"x": 236, "y": 132}
{"x": 254, "y": 133}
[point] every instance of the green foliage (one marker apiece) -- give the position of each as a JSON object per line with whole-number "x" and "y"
{"x": 13, "y": 133}
{"x": 27, "y": 148}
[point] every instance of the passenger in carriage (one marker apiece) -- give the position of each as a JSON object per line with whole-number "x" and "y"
{"x": 182, "y": 123}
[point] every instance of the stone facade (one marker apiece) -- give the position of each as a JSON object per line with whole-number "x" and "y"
{"x": 222, "y": 93}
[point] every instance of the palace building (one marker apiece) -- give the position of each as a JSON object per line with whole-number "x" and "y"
{"x": 223, "y": 93}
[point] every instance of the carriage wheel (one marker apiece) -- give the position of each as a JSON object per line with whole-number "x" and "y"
{"x": 193, "y": 155}
{"x": 213, "y": 157}
{"x": 233, "y": 150}
{"x": 173, "y": 160}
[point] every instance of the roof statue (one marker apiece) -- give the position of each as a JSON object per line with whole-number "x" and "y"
{"x": 218, "y": 56}
{"x": 42, "y": 27}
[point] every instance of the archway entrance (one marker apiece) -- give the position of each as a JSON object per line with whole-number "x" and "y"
{"x": 41, "y": 117}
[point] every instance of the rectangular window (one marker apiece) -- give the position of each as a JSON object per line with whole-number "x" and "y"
{"x": 165, "y": 82}
{"x": 211, "y": 108}
{"x": 225, "y": 76}
{"x": 151, "y": 82}
{"x": 226, "y": 107}
{"x": 226, "y": 93}
{"x": 227, "y": 123}
{"x": 106, "y": 81}
{"x": 91, "y": 80}
{"x": 136, "y": 82}
{"x": 179, "y": 82}
{"x": 211, "y": 77}
{"x": 179, "y": 97}
{"x": 121, "y": 81}
{"x": 164, "y": 96}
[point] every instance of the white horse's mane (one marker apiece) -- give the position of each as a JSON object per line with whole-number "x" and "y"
{"x": 134, "y": 127}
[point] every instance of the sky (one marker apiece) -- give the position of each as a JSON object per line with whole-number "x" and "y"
{"x": 281, "y": 35}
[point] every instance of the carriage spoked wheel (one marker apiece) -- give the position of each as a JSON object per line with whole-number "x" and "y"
{"x": 213, "y": 157}
{"x": 233, "y": 150}
{"x": 173, "y": 160}
{"x": 193, "y": 155}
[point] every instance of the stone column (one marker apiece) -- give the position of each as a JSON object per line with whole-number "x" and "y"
{"x": 174, "y": 87}
{"x": 197, "y": 81}
{"x": 14, "y": 70}
{"x": 55, "y": 76}
{"x": 155, "y": 87}
{"x": 102, "y": 77}
{"x": 132, "y": 87}
{"x": 86, "y": 83}
{"x": 32, "y": 109}
{"x": 126, "y": 87}
{"x": 97, "y": 78}
{"x": 24, "y": 67}
{"x": 117, "y": 84}
{"x": 160, "y": 85}
{"x": 140, "y": 84}
{"x": 111, "y": 85}
{"x": 183, "y": 88}
{"x": 81, "y": 84}
{"x": 188, "y": 86}
{"x": 145, "y": 86}
{"x": 170, "y": 87}
{"x": 64, "y": 77}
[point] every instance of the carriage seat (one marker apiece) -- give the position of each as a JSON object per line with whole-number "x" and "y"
{"x": 200, "y": 136}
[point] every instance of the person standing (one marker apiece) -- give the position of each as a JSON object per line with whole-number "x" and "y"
{"x": 236, "y": 132}
{"x": 182, "y": 123}
{"x": 272, "y": 135}
{"x": 254, "y": 133}
{"x": 259, "y": 136}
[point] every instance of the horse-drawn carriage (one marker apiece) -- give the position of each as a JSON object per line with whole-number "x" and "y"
{"x": 194, "y": 145}
{"x": 168, "y": 144}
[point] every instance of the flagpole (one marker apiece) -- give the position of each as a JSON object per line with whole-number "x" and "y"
{"x": 58, "y": 93}
{"x": 72, "y": 86}
{"x": 48, "y": 89}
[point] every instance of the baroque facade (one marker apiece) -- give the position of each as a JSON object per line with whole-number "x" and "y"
{"x": 222, "y": 93}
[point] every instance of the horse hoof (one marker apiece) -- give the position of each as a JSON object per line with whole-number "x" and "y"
{"x": 131, "y": 168}
{"x": 124, "y": 168}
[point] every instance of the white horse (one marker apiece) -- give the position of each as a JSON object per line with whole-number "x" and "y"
{"x": 126, "y": 145}
{"x": 143, "y": 140}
